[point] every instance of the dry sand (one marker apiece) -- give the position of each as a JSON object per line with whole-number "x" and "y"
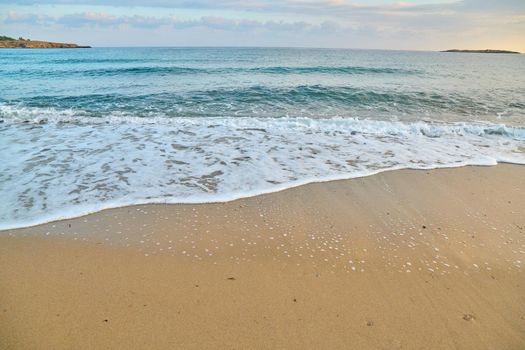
{"x": 400, "y": 260}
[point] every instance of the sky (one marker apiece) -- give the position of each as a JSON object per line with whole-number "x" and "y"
{"x": 373, "y": 24}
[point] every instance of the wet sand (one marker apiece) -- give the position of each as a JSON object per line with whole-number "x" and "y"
{"x": 400, "y": 260}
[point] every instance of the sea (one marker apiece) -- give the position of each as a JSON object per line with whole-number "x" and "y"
{"x": 83, "y": 130}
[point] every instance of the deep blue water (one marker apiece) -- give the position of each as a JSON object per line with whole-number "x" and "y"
{"x": 226, "y": 82}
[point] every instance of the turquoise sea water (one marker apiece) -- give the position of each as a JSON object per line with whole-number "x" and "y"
{"x": 82, "y": 130}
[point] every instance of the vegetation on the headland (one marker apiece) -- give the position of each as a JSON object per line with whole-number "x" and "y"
{"x": 482, "y": 51}
{"x": 21, "y": 43}
{"x": 6, "y": 38}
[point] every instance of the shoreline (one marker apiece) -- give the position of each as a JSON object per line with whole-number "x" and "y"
{"x": 237, "y": 197}
{"x": 402, "y": 259}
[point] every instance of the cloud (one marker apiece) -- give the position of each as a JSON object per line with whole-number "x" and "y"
{"x": 100, "y": 19}
{"x": 88, "y": 18}
{"x": 342, "y": 7}
{"x": 493, "y": 5}
{"x": 14, "y": 17}
{"x": 333, "y": 7}
{"x": 349, "y": 11}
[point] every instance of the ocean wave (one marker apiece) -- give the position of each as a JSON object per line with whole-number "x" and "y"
{"x": 268, "y": 101}
{"x": 179, "y": 70}
{"x": 72, "y": 167}
{"x": 86, "y": 60}
{"x": 16, "y": 114}
{"x": 234, "y": 70}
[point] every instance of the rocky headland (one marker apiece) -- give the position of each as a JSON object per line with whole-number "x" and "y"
{"x": 21, "y": 43}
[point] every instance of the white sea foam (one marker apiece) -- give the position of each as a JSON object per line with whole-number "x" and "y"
{"x": 72, "y": 164}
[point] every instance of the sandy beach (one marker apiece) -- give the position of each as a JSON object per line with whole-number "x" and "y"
{"x": 408, "y": 259}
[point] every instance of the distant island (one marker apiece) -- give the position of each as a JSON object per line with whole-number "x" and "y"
{"x": 482, "y": 51}
{"x": 21, "y": 43}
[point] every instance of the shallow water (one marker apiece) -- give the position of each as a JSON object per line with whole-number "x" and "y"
{"x": 84, "y": 130}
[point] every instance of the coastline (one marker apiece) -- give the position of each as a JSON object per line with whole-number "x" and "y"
{"x": 37, "y": 44}
{"x": 75, "y": 214}
{"x": 401, "y": 259}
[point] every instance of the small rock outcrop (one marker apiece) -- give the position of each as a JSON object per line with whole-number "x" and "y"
{"x": 482, "y": 51}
